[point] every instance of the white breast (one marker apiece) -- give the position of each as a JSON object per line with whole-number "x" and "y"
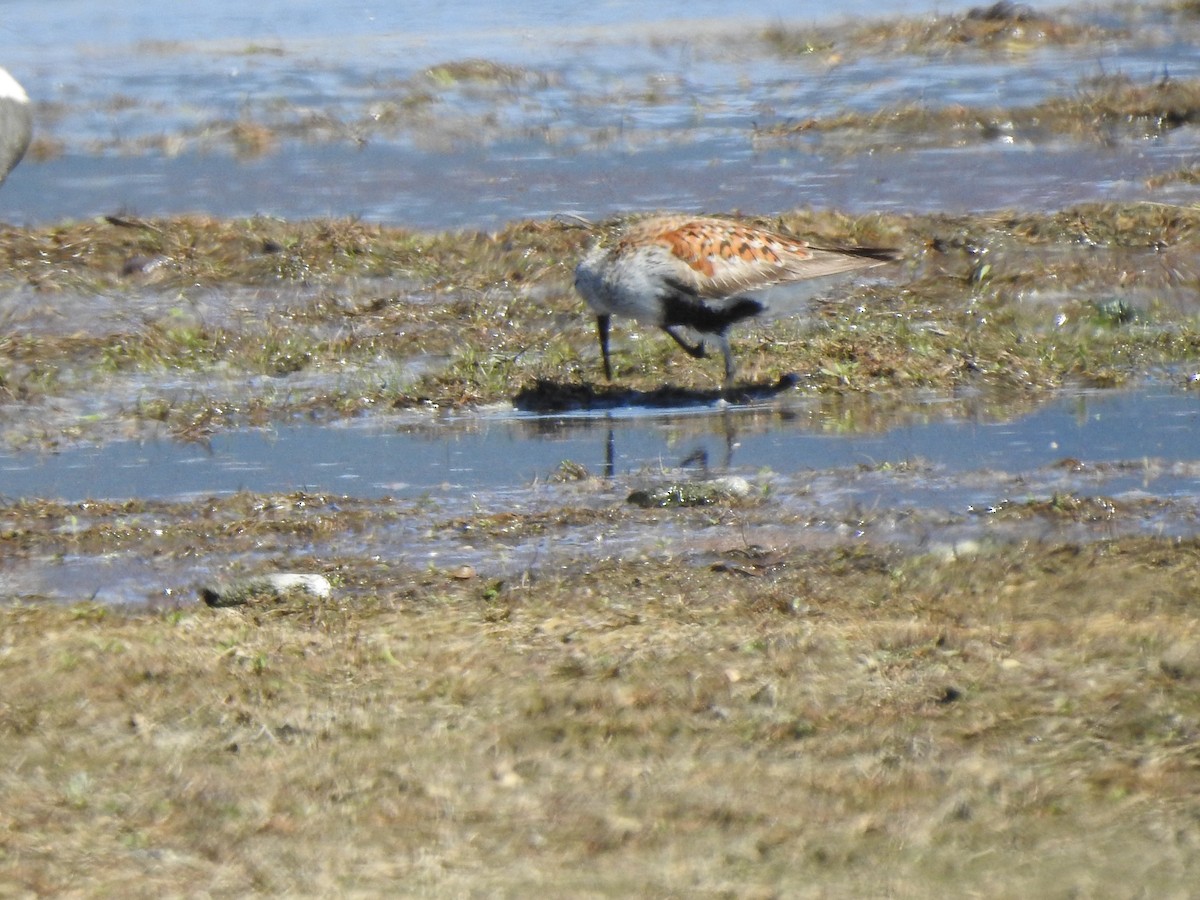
{"x": 627, "y": 284}
{"x": 10, "y": 89}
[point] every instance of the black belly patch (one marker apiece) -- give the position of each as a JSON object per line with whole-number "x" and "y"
{"x": 681, "y": 307}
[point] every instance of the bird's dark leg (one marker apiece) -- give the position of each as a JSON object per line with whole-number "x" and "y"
{"x": 696, "y": 350}
{"x": 726, "y": 351}
{"x": 602, "y": 323}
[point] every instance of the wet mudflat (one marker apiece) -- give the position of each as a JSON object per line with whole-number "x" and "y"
{"x": 911, "y": 607}
{"x": 517, "y": 497}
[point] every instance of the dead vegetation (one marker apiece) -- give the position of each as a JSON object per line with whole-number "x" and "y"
{"x": 846, "y": 722}
{"x": 1002, "y": 27}
{"x": 1106, "y": 109}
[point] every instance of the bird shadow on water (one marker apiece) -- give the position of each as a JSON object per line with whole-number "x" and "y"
{"x": 548, "y": 396}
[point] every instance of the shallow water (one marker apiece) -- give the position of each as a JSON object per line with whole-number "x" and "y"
{"x": 934, "y": 480}
{"x": 1154, "y": 428}
{"x": 621, "y": 106}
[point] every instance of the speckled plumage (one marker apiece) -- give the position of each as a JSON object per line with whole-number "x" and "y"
{"x": 696, "y": 272}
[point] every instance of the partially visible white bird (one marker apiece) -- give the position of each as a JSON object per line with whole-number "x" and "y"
{"x": 698, "y": 272}
{"x": 16, "y": 123}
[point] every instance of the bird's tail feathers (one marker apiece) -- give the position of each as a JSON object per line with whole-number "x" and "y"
{"x": 882, "y": 254}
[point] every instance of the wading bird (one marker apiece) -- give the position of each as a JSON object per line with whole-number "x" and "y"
{"x": 699, "y": 273}
{"x": 16, "y": 123}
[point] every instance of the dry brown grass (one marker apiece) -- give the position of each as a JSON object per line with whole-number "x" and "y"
{"x": 998, "y": 28}
{"x": 1105, "y": 109}
{"x": 1022, "y": 723}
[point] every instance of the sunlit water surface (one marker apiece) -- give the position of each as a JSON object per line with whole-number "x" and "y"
{"x": 1155, "y": 428}
{"x": 614, "y": 106}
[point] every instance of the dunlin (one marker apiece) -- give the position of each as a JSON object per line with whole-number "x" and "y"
{"x": 700, "y": 273}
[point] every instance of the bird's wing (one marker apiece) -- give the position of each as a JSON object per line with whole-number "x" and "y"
{"x": 723, "y": 257}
